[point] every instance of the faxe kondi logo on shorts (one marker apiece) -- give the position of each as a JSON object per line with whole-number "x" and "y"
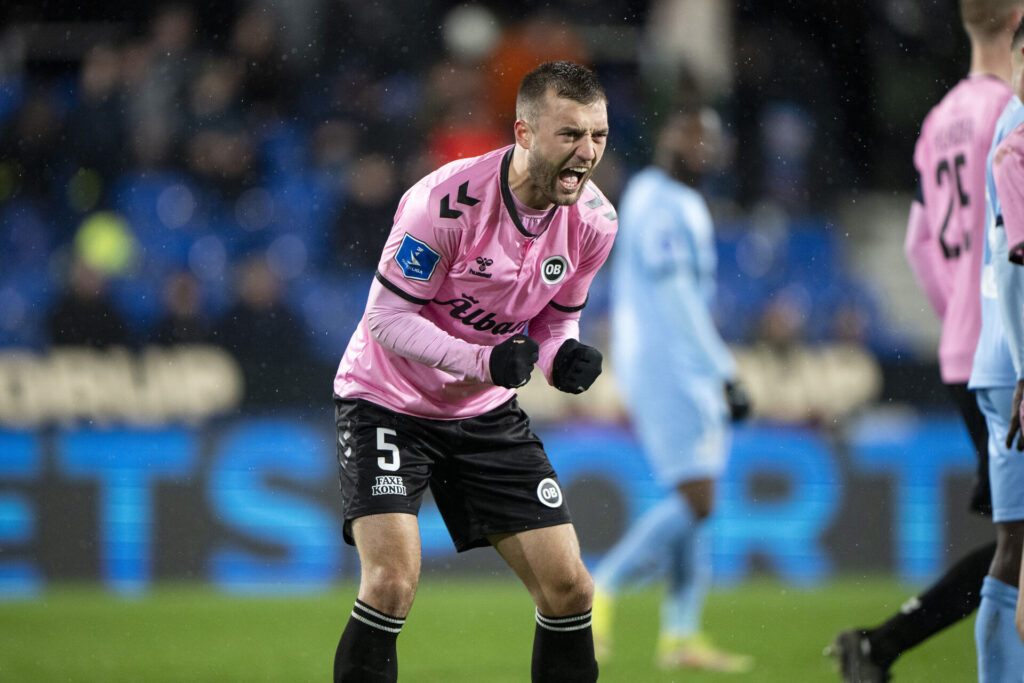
{"x": 388, "y": 486}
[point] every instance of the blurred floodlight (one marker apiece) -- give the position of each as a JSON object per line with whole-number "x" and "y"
{"x": 471, "y": 32}
{"x": 105, "y": 242}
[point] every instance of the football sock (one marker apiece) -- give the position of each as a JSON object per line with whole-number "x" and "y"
{"x": 645, "y": 549}
{"x": 952, "y": 598}
{"x": 563, "y": 650}
{"x": 1000, "y": 651}
{"x": 689, "y": 579}
{"x": 367, "y": 651}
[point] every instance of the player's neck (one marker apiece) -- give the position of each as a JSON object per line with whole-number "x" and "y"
{"x": 992, "y": 58}
{"x": 522, "y": 186}
{"x": 679, "y": 172}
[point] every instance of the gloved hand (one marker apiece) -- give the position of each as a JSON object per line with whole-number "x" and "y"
{"x": 576, "y": 366}
{"x": 738, "y": 399}
{"x": 512, "y": 361}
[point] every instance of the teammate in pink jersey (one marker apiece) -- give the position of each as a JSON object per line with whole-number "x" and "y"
{"x": 484, "y": 275}
{"x": 943, "y": 245}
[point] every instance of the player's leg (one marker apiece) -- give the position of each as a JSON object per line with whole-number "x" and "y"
{"x": 495, "y": 486}
{"x": 383, "y": 469}
{"x": 1000, "y": 651}
{"x": 548, "y": 562}
{"x": 980, "y": 501}
{"x": 682, "y": 642}
{"x": 867, "y": 654}
{"x": 685, "y": 440}
{"x": 689, "y": 572}
{"x": 643, "y": 553}
{"x": 389, "y": 557}
{"x": 1019, "y": 616}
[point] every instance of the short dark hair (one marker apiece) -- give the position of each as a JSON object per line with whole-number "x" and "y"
{"x": 985, "y": 19}
{"x": 568, "y": 80}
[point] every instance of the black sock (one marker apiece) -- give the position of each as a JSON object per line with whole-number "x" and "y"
{"x": 367, "y": 650}
{"x": 563, "y": 650}
{"x": 952, "y": 598}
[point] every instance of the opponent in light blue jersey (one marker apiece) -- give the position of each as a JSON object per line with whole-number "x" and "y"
{"x": 993, "y": 365}
{"x": 998, "y": 365}
{"x": 673, "y": 369}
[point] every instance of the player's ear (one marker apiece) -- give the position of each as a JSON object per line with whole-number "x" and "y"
{"x": 523, "y": 134}
{"x": 1014, "y": 20}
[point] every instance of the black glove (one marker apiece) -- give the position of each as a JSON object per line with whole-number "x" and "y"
{"x": 738, "y": 399}
{"x": 512, "y": 361}
{"x": 576, "y": 367}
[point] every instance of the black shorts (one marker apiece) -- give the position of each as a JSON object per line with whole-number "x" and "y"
{"x": 488, "y": 474}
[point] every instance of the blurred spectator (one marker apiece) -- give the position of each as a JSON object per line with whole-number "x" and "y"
{"x": 31, "y": 145}
{"x": 165, "y": 65}
{"x": 96, "y": 126}
{"x": 363, "y": 226}
{"x": 381, "y": 38}
{"x": 151, "y": 144}
{"x": 84, "y": 315}
{"x": 290, "y": 127}
{"x": 781, "y": 327}
{"x": 264, "y": 80}
{"x": 220, "y": 150}
{"x": 303, "y": 32}
{"x": 266, "y": 339}
{"x": 183, "y": 321}
{"x": 541, "y": 37}
{"x": 465, "y": 124}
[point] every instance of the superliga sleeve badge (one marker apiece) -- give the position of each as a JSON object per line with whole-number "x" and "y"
{"x": 416, "y": 259}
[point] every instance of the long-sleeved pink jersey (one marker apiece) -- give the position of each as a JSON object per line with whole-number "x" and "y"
{"x": 1008, "y": 173}
{"x": 460, "y": 251}
{"x": 945, "y": 231}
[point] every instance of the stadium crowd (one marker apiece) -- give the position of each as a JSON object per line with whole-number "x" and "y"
{"x": 195, "y": 174}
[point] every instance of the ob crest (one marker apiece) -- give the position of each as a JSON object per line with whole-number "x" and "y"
{"x": 553, "y": 269}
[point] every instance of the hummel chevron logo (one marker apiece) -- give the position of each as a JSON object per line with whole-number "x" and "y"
{"x": 462, "y": 198}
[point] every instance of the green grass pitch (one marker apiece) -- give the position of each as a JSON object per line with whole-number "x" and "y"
{"x": 459, "y": 630}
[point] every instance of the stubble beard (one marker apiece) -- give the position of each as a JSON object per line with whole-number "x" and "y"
{"x": 544, "y": 176}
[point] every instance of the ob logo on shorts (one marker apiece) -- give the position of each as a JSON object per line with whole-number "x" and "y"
{"x": 553, "y": 269}
{"x": 549, "y": 494}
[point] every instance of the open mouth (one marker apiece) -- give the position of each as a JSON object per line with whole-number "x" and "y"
{"x": 569, "y": 179}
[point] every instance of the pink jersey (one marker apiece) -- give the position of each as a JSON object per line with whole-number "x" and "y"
{"x": 1008, "y": 174}
{"x": 459, "y": 249}
{"x": 944, "y": 240}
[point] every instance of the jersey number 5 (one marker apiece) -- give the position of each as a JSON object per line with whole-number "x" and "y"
{"x": 383, "y": 462}
{"x": 951, "y": 174}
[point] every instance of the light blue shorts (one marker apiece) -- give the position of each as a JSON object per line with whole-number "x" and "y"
{"x": 1005, "y": 466}
{"x": 684, "y": 433}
